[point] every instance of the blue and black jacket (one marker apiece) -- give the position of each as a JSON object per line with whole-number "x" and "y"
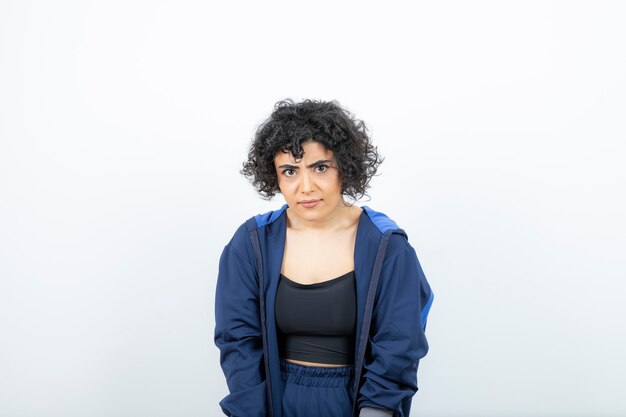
{"x": 393, "y": 301}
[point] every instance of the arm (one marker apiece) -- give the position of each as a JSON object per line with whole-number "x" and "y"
{"x": 397, "y": 340}
{"x": 238, "y": 335}
{"x": 375, "y": 412}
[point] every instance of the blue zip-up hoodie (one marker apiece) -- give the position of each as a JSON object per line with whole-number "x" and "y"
{"x": 393, "y": 301}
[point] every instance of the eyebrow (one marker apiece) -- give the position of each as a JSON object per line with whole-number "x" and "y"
{"x": 313, "y": 165}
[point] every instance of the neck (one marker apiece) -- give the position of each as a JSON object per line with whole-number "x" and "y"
{"x": 341, "y": 217}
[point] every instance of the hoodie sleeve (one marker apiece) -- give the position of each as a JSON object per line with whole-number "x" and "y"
{"x": 397, "y": 336}
{"x": 238, "y": 335}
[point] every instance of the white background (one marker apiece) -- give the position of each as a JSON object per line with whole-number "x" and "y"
{"x": 122, "y": 129}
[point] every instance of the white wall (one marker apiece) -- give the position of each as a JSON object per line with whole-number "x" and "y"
{"x": 123, "y": 126}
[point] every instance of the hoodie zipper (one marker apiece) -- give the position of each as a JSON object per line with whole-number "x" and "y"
{"x": 257, "y": 251}
{"x": 367, "y": 315}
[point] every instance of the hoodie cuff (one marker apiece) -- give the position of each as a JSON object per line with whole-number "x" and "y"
{"x": 375, "y": 412}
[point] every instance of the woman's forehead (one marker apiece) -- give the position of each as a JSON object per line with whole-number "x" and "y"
{"x": 312, "y": 151}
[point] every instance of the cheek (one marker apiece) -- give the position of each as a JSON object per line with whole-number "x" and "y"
{"x": 332, "y": 185}
{"x": 284, "y": 184}
{"x": 335, "y": 180}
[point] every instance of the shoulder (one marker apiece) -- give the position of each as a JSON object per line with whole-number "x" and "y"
{"x": 240, "y": 241}
{"x": 380, "y": 220}
{"x": 267, "y": 218}
{"x": 385, "y": 226}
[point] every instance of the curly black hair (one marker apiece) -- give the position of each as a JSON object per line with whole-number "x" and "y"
{"x": 292, "y": 124}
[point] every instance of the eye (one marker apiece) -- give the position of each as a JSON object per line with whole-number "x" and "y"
{"x": 288, "y": 172}
{"x": 322, "y": 168}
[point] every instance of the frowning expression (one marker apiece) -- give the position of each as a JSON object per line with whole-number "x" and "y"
{"x": 311, "y": 186}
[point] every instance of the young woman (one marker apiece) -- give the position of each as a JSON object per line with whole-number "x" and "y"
{"x": 321, "y": 305}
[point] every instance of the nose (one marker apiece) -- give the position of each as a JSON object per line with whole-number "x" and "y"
{"x": 306, "y": 184}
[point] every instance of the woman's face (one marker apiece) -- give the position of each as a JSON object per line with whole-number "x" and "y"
{"x": 314, "y": 179}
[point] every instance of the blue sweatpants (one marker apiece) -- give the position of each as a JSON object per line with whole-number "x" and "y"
{"x": 315, "y": 391}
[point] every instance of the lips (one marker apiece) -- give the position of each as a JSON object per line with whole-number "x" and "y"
{"x": 309, "y": 203}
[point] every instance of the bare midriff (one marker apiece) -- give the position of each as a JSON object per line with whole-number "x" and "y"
{"x": 324, "y": 365}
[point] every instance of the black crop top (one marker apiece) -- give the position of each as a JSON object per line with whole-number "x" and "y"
{"x": 317, "y": 322}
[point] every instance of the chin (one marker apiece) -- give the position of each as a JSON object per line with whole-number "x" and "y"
{"x": 309, "y": 212}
